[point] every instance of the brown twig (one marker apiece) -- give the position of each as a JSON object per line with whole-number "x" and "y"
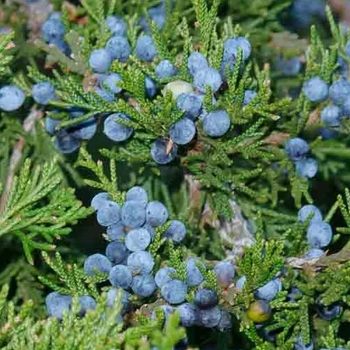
{"x": 16, "y": 155}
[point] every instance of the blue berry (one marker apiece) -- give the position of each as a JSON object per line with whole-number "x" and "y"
{"x": 314, "y": 253}
{"x": 157, "y": 15}
{"x": 156, "y": 213}
{"x": 109, "y": 213}
{"x": 296, "y": 148}
{"x": 225, "y": 272}
{"x": 346, "y": 107}
{"x": 300, "y": 345}
{"x": 176, "y": 231}
{"x": 249, "y": 95}
{"x": 225, "y": 321}
{"x": 120, "y": 276}
{"x": 111, "y": 81}
{"x": 188, "y": 314}
{"x": 232, "y": 45}
{"x": 86, "y": 303}
{"x": 66, "y": 142}
{"x": 339, "y": 91}
{"x": 161, "y": 153}
{"x": 268, "y": 291}
{"x": 143, "y": 285}
{"x": 343, "y": 68}
{"x": 306, "y": 168}
{"x": 100, "y": 60}
{"x": 174, "y": 291}
{"x": 99, "y": 200}
{"x": 115, "y": 130}
{"x": 125, "y": 298}
{"x": 150, "y": 229}
{"x": 43, "y": 92}
{"x": 194, "y": 276}
{"x": 151, "y": 87}
{"x": 52, "y": 29}
{"x": 319, "y": 234}
{"x": 138, "y": 194}
{"x": 119, "y": 48}
{"x": 11, "y": 98}
{"x": 137, "y": 239}
{"x": 116, "y": 25}
{"x": 207, "y": 77}
{"x": 140, "y": 262}
{"x": 347, "y": 48}
{"x": 191, "y": 104}
{"x": 210, "y": 318}
{"x": 116, "y": 252}
{"x": 165, "y": 69}
{"x": 55, "y": 15}
{"x": 84, "y": 130}
{"x": 331, "y": 115}
{"x": 196, "y": 62}
{"x": 205, "y": 298}
{"x": 329, "y": 312}
{"x": 57, "y": 304}
{"x": 241, "y": 282}
{"x": 216, "y": 123}
{"x": 309, "y": 210}
{"x": 133, "y": 214}
{"x": 315, "y": 89}
{"x": 62, "y": 46}
{"x": 116, "y": 232}
{"x": 97, "y": 262}
{"x": 104, "y": 94}
{"x": 327, "y": 133}
{"x": 183, "y": 131}
{"x": 164, "y": 275}
{"x": 51, "y": 125}
{"x": 289, "y": 67}
{"x": 145, "y": 49}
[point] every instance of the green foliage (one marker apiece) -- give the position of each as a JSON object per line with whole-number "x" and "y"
{"x": 248, "y": 167}
{"x": 38, "y": 210}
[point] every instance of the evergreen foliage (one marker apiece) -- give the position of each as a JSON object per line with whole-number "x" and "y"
{"x": 234, "y": 114}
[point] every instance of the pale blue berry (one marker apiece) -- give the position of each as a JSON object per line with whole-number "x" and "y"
{"x": 196, "y": 62}
{"x": 43, "y": 92}
{"x": 319, "y": 234}
{"x": 11, "y": 98}
{"x": 116, "y": 25}
{"x": 162, "y": 153}
{"x": 331, "y": 116}
{"x": 216, "y": 123}
{"x": 315, "y": 89}
{"x": 119, "y": 48}
{"x": 145, "y": 49}
{"x": 306, "y": 168}
{"x": 100, "y": 60}
{"x": 207, "y": 77}
{"x": 143, "y": 285}
{"x": 115, "y": 130}
{"x": 183, "y": 131}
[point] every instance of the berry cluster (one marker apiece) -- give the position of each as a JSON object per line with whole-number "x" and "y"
{"x": 131, "y": 229}
{"x": 297, "y": 150}
{"x": 53, "y": 31}
{"x": 319, "y": 233}
{"x": 189, "y": 97}
{"x": 67, "y": 140}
